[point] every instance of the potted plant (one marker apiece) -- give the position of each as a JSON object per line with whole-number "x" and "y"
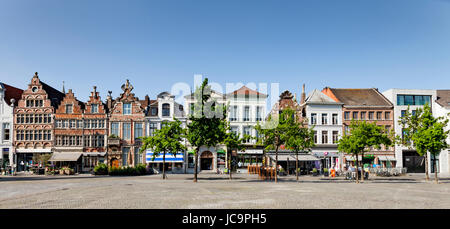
{"x": 314, "y": 172}
{"x": 325, "y": 172}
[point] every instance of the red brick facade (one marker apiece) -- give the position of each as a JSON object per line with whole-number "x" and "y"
{"x": 127, "y": 119}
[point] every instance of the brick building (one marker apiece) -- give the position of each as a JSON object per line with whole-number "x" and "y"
{"x": 95, "y": 131}
{"x": 370, "y": 105}
{"x": 34, "y": 123}
{"x": 68, "y": 131}
{"x": 126, "y": 125}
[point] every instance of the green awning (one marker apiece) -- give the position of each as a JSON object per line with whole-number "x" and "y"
{"x": 221, "y": 151}
{"x": 191, "y": 152}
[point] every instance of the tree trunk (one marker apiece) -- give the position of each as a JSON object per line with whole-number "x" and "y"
{"x": 427, "y": 177}
{"x": 362, "y": 167}
{"x": 164, "y": 165}
{"x": 357, "y": 169}
{"x": 276, "y": 164}
{"x": 196, "y": 165}
{"x": 296, "y": 164}
{"x": 229, "y": 165}
{"x": 435, "y": 171}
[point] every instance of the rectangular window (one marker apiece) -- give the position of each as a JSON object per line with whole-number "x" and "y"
{"x": 315, "y": 137}
{"x": 191, "y": 108}
{"x": 138, "y": 130}
{"x": 363, "y": 115}
{"x": 72, "y": 124}
{"x": 347, "y": 129}
{"x": 259, "y": 113}
{"x": 153, "y": 128}
{"x": 69, "y": 109}
{"x": 355, "y": 115}
{"x": 371, "y": 114}
{"x": 94, "y": 108}
{"x": 127, "y": 131}
{"x": 235, "y": 129}
{"x": 246, "y": 113}
{"x": 125, "y": 151}
{"x": 115, "y": 128}
{"x": 347, "y": 115}
{"x": 154, "y": 111}
{"x": 335, "y": 119}
{"x": 247, "y": 131}
{"x": 379, "y": 116}
{"x": 387, "y": 115}
{"x": 6, "y": 131}
{"x": 233, "y": 113}
{"x": 403, "y": 113}
{"x": 127, "y": 108}
{"x": 335, "y": 137}
{"x": 313, "y": 119}
{"x": 324, "y": 119}
{"x": 324, "y": 137}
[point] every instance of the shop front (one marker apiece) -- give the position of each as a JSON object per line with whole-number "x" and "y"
{"x": 92, "y": 159}
{"x": 288, "y": 160}
{"x": 248, "y": 157}
{"x": 72, "y": 160}
{"x": 328, "y": 159}
{"x": 173, "y": 163}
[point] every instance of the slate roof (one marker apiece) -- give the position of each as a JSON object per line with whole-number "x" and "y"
{"x": 54, "y": 95}
{"x": 360, "y": 97}
{"x": 318, "y": 97}
{"x": 443, "y": 98}
{"x": 11, "y": 93}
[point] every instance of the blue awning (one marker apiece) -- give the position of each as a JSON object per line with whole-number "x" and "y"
{"x": 159, "y": 159}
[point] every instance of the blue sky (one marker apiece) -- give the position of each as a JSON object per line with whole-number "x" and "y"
{"x": 346, "y": 43}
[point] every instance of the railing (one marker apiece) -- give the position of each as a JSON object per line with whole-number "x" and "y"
{"x": 113, "y": 141}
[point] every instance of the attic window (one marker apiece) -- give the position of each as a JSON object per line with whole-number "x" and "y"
{"x": 69, "y": 109}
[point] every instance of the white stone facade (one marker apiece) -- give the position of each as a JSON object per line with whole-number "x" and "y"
{"x": 393, "y": 96}
{"x": 6, "y": 128}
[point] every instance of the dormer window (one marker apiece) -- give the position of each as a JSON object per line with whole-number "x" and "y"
{"x": 69, "y": 109}
{"x": 154, "y": 111}
{"x": 166, "y": 109}
{"x": 127, "y": 108}
{"x": 94, "y": 108}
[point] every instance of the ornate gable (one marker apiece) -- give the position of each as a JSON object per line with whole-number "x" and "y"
{"x": 70, "y": 99}
{"x": 95, "y": 99}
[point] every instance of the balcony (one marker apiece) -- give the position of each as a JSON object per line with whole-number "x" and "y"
{"x": 113, "y": 141}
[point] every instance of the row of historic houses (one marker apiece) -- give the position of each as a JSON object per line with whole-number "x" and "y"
{"x": 42, "y": 120}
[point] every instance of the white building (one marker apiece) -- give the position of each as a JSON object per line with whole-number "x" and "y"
{"x": 211, "y": 158}
{"x": 402, "y": 98}
{"x": 247, "y": 107}
{"x": 325, "y": 115}
{"x": 165, "y": 109}
{"x": 443, "y": 110}
{"x": 9, "y": 96}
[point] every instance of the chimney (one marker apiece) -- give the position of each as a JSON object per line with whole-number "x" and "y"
{"x": 94, "y": 94}
{"x": 63, "y": 89}
{"x": 109, "y": 100}
{"x": 303, "y": 95}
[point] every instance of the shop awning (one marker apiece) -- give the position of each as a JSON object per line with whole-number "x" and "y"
{"x": 65, "y": 156}
{"x": 386, "y": 158}
{"x": 301, "y": 157}
{"x": 178, "y": 158}
{"x": 352, "y": 158}
{"x": 94, "y": 154}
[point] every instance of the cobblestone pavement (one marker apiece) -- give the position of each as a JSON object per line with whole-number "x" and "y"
{"x": 216, "y": 191}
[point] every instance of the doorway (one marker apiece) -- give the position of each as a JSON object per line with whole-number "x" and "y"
{"x": 413, "y": 162}
{"x": 206, "y": 161}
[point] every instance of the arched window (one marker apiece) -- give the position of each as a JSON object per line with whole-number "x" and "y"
{"x": 166, "y": 109}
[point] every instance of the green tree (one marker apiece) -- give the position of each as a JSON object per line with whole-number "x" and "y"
{"x": 299, "y": 138}
{"x": 362, "y": 137}
{"x": 207, "y": 125}
{"x": 422, "y": 131}
{"x": 165, "y": 140}
{"x": 233, "y": 141}
{"x": 275, "y": 132}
